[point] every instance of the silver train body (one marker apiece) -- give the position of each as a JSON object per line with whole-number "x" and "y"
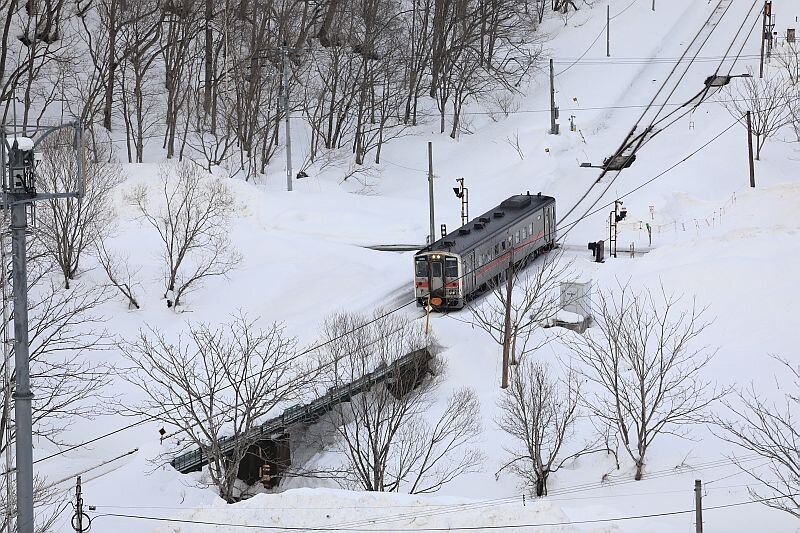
{"x": 467, "y": 261}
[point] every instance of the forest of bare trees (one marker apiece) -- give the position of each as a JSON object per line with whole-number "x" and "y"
{"x": 203, "y": 79}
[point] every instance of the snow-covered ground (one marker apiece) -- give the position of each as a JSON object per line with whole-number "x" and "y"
{"x": 734, "y": 248}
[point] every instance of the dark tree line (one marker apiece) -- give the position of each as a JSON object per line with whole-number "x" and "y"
{"x": 204, "y": 78}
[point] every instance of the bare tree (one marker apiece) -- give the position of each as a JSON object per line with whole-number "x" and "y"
{"x": 215, "y": 382}
{"x": 191, "y": 223}
{"x": 68, "y": 227}
{"x": 644, "y": 358}
{"x": 768, "y": 101}
{"x": 527, "y": 297}
{"x": 382, "y": 434}
{"x": 539, "y": 414}
{"x": 788, "y": 56}
{"x": 770, "y": 430}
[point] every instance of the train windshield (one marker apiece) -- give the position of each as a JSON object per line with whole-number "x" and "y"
{"x": 422, "y": 267}
{"x": 451, "y": 267}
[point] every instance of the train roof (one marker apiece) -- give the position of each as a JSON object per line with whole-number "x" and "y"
{"x": 490, "y": 223}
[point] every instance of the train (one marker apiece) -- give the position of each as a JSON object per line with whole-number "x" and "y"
{"x": 468, "y": 261}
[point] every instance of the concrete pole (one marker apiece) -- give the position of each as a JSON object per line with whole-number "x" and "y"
{"x": 22, "y": 390}
{"x": 750, "y": 150}
{"x": 430, "y": 191}
{"x": 698, "y": 506}
{"x": 285, "y": 56}
{"x": 553, "y": 125}
{"x": 608, "y": 31}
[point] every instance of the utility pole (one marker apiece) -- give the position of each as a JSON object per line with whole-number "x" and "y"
{"x": 19, "y": 192}
{"x": 770, "y": 27}
{"x": 77, "y": 518}
{"x": 767, "y": 15}
{"x": 750, "y": 150}
{"x": 8, "y": 519}
{"x": 608, "y": 31}
{"x": 285, "y": 76}
{"x": 507, "y": 321}
{"x": 654, "y": 5}
{"x": 698, "y": 506}
{"x": 430, "y": 191}
{"x": 553, "y": 108}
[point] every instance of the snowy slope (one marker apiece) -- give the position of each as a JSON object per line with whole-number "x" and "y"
{"x": 303, "y": 259}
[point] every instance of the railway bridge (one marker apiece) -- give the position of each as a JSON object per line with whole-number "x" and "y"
{"x": 270, "y": 439}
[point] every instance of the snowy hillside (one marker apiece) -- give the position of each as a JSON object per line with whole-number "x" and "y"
{"x": 304, "y": 255}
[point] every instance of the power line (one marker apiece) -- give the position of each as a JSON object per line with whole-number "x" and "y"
{"x": 454, "y": 528}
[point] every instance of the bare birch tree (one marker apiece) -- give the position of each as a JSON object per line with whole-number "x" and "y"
{"x": 383, "y": 435}
{"x": 213, "y": 383}
{"x": 192, "y": 225}
{"x": 530, "y": 296}
{"x": 539, "y": 414}
{"x": 770, "y": 430}
{"x": 645, "y": 363}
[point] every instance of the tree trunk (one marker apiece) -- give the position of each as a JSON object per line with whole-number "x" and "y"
{"x": 112, "y": 64}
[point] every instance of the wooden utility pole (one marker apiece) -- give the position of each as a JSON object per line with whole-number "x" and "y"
{"x": 430, "y": 191}
{"x": 767, "y": 15}
{"x": 698, "y": 506}
{"x": 553, "y": 108}
{"x": 507, "y": 322}
{"x": 608, "y": 31}
{"x": 750, "y": 150}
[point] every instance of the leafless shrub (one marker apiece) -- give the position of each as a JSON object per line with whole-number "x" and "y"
{"x": 119, "y": 271}
{"x": 645, "y": 364}
{"x": 192, "y": 225}
{"x": 382, "y": 434}
{"x": 212, "y": 383}
{"x": 48, "y": 504}
{"x": 539, "y": 414}
{"x": 513, "y": 142}
{"x": 770, "y": 430}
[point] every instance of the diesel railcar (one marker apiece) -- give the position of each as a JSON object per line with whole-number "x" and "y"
{"x": 467, "y": 261}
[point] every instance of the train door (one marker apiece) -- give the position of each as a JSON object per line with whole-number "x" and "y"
{"x": 435, "y": 277}
{"x": 548, "y": 224}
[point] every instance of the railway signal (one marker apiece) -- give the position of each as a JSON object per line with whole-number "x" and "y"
{"x": 463, "y": 193}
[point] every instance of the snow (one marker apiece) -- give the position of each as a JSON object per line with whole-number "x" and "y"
{"x": 23, "y": 143}
{"x": 734, "y": 248}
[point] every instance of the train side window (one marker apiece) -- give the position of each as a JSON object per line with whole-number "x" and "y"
{"x": 451, "y": 267}
{"x": 422, "y": 267}
{"x": 496, "y": 250}
{"x": 525, "y": 232}
{"x": 530, "y": 228}
{"x": 517, "y": 237}
{"x": 503, "y": 245}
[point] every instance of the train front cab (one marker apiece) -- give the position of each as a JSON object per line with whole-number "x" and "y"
{"x": 438, "y": 279}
